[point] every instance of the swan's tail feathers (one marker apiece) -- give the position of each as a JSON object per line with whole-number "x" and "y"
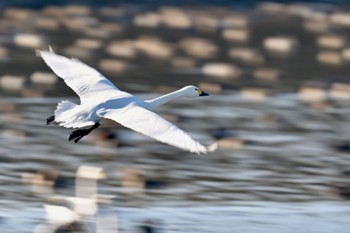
{"x": 64, "y": 106}
{"x": 60, "y": 112}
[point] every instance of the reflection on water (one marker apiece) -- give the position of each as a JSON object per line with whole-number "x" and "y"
{"x": 279, "y": 111}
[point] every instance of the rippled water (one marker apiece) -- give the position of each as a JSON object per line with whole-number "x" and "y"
{"x": 289, "y": 162}
{"x": 320, "y": 217}
{"x": 283, "y": 158}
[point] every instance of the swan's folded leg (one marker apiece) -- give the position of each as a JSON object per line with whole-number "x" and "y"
{"x": 50, "y": 119}
{"x": 80, "y": 133}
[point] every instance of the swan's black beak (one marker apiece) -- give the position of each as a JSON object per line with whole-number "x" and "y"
{"x": 203, "y": 94}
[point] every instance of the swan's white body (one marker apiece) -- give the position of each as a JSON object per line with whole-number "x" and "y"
{"x": 102, "y": 99}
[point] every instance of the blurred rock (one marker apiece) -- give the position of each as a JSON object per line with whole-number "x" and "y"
{"x": 78, "y": 10}
{"x": 237, "y": 35}
{"x": 211, "y": 88}
{"x": 150, "y": 20}
{"x": 206, "y": 23}
{"x": 43, "y": 78}
{"x": 41, "y": 182}
{"x": 174, "y": 17}
{"x": 346, "y": 54}
{"x": 254, "y": 94}
{"x": 114, "y": 66}
{"x": 267, "y": 74}
{"x": 340, "y": 18}
{"x": 13, "y": 118}
{"x": 331, "y": 41}
{"x": 110, "y": 29}
{"x": 317, "y": 26}
{"x": 20, "y": 14}
{"x": 272, "y": 7}
{"x": 29, "y": 40}
{"x": 4, "y": 54}
{"x": 284, "y": 45}
{"x": 199, "y": 47}
{"x": 12, "y": 83}
{"x": 312, "y": 94}
{"x": 340, "y": 91}
{"x": 221, "y": 70}
{"x": 112, "y": 11}
{"x": 124, "y": 49}
{"x": 7, "y": 107}
{"x": 305, "y": 11}
{"x": 13, "y": 134}
{"x": 154, "y": 47}
{"x": 80, "y": 23}
{"x": 47, "y": 23}
{"x": 30, "y": 92}
{"x": 330, "y": 57}
{"x": 235, "y": 21}
{"x": 247, "y": 55}
{"x": 98, "y": 32}
{"x": 232, "y": 143}
{"x": 132, "y": 181}
{"x": 183, "y": 62}
{"x": 54, "y": 11}
{"x": 88, "y": 43}
{"x": 78, "y": 52}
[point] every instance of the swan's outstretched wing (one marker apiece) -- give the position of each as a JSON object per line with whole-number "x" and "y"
{"x": 152, "y": 125}
{"x": 87, "y": 82}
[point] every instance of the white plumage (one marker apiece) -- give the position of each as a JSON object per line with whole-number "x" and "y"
{"x": 102, "y": 99}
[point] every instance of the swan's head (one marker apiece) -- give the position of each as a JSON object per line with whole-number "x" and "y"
{"x": 193, "y": 91}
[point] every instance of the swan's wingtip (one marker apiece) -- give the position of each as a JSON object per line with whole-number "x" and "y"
{"x": 207, "y": 149}
{"x": 212, "y": 147}
{"x": 39, "y": 52}
{"x": 51, "y": 50}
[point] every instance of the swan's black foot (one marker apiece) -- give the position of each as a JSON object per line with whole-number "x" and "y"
{"x": 50, "y": 119}
{"x": 80, "y": 133}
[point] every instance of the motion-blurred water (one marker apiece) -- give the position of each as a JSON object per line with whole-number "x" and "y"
{"x": 280, "y": 117}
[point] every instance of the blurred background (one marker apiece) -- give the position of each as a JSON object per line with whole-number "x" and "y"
{"x": 279, "y": 78}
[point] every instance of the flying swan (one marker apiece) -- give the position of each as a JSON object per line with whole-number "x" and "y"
{"x": 99, "y": 98}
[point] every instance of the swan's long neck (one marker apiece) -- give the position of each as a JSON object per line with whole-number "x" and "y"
{"x": 154, "y": 103}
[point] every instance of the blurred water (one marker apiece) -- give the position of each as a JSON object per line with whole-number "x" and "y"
{"x": 280, "y": 118}
{"x": 283, "y": 166}
{"x": 321, "y": 217}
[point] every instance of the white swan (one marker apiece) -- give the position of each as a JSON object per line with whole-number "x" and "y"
{"x": 102, "y": 99}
